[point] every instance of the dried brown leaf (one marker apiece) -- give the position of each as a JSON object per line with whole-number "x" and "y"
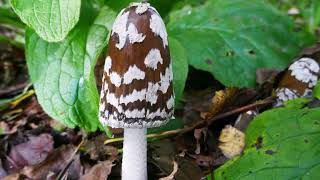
{"x": 174, "y": 171}
{"x": 244, "y": 120}
{"x": 204, "y": 160}
{"x": 264, "y": 75}
{"x": 31, "y": 152}
{"x": 219, "y": 100}
{"x": 56, "y": 161}
{"x": 198, "y": 134}
{"x": 163, "y": 152}
{"x": 100, "y": 171}
{"x": 3, "y": 173}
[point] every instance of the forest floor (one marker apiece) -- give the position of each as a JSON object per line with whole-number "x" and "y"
{"x": 35, "y": 146}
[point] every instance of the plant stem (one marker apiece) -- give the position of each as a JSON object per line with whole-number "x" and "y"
{"x": 134, "y": 160}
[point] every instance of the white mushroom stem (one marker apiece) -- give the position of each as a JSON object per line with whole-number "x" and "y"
{"x": 134, "y": 160}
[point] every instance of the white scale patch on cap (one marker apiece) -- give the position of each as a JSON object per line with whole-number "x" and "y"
{"x": 135, "y": 113}
{"x": 305, "y": 70}
{"x": 133, "y": 34}
{"x": 133, "y": 73}
{"x": 114, "y": 123}
{"x": 120, "y": 27}
{"x": 114, "y": 101}
{"x": 157, "y": 27}
{"x": 170, "y": 102}
{"x": 115, "y": 79}
{"x": 107, "y": 65}
{"x": 140, "y": 7}
{"x": 307, "y": 93}
{"x": 159, "y": 113}
{"x": 104, "y": 121}
{"x": 153, "y": 58}
{"x": 134, "y": 96}
{"x": 285, "y": 94}
{"x": 165, "y": 80}
{"x": 151, "y": 94}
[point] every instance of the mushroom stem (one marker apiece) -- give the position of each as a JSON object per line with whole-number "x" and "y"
{"x": 134, "y": 160}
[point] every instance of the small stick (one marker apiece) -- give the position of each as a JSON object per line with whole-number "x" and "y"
{"x": 262, "y": 103}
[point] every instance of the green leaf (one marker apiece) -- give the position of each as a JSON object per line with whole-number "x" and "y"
{"x": 118, "y": 5}
{"x": 282, "y": 143}
{"x": 63, "y": 73}
{"x": 51, "y": 19}
{"x": 7, "y": 16}
{"x": 297, "y": 103}
{"x": 316, "y": 90}
{"x": 180, "y": 67}
{"x": 231, "y": 39}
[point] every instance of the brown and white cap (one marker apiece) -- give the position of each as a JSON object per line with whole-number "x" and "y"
{"x": 298, "y": 81}
{"x": 137, "y": 89}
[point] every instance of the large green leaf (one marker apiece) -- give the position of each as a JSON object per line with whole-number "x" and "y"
{"x": 51, "y": 19}
{"x": 281, "y": 144}
{"x": 231, "y": 39}
{"x": 63, "y": 73}
{"x": 316, "y": 90}
{"x": 180, "y": 67}
{"x": 7, "y": 16}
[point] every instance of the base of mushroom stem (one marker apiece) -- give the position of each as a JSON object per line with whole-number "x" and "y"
{"x": 134, "y": 160}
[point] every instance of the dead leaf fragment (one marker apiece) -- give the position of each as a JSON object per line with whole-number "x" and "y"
{"x": 163, "y": 152}
{"x": 15, "y": 176}
{"x": 244, "y": 120}
{"x": 219, "y": 100}
{"x": 3, "y": 173}
{"x": 264, "y": 75}
{"x": 198, "y": 134}
{"x": 56, "y": 161}
{"x": 31, "y": 152}
{"x": 96, "y": 148}
{"x": 100, "y": 171}
{"x": 204, "y": 160}
{"x": 232, "y": 141}
{"x": 174, "y": 171}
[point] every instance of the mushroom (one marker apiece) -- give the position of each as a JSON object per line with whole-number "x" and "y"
{"x": 298, "y": 80}
{"x": 137, "y": 89}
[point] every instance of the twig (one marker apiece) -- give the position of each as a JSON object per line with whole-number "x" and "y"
{"x": 22, "y": 97}
{"x": 174, "y": 171}
{"x": 210, "y": 120}
{"x": 203, "y": 123}
{"x": 13, "y": 89}
{"x": 71, "y": 159}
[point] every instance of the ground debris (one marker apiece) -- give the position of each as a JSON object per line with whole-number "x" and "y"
{"x": 232, "y": 141}
{"x": 100, "y": 171}
{"x": 32, "y": 152}
{"x": 55, "y": 162}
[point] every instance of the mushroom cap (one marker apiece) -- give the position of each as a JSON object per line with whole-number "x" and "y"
{"x": 137, "y": 89}
{"x": 298, "y": 81}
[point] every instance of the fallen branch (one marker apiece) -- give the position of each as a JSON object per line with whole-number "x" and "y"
{"x": 210, "y": 120}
